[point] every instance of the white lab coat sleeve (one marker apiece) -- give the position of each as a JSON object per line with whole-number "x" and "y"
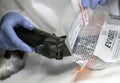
{"x": 54, "y": 16}
{"x": 9, "y": 6}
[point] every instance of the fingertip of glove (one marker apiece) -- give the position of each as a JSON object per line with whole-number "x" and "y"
{"x": 85, "y": 3}
{"x": 28, "y": 25}
{"x": 26, "y": 48}
{"x": 93, "y": 6}
{"x": 103, "y": 2}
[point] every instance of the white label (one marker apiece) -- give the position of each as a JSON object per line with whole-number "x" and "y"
{"x": 108, "y": 45}
{"x": 74, "y": 32}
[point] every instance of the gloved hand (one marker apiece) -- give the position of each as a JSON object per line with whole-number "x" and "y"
{"x": 93, "y": 3}
{"x": 8, "y": 38}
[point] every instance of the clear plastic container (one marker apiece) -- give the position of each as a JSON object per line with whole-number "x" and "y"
{"x": 83, "y": 38}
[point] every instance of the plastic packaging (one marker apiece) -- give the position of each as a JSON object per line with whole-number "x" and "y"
{"x": 93, "y": 39}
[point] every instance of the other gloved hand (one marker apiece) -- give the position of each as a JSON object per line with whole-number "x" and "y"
{"x": 8, "y": 38}
{"x": 93, "y": 3}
